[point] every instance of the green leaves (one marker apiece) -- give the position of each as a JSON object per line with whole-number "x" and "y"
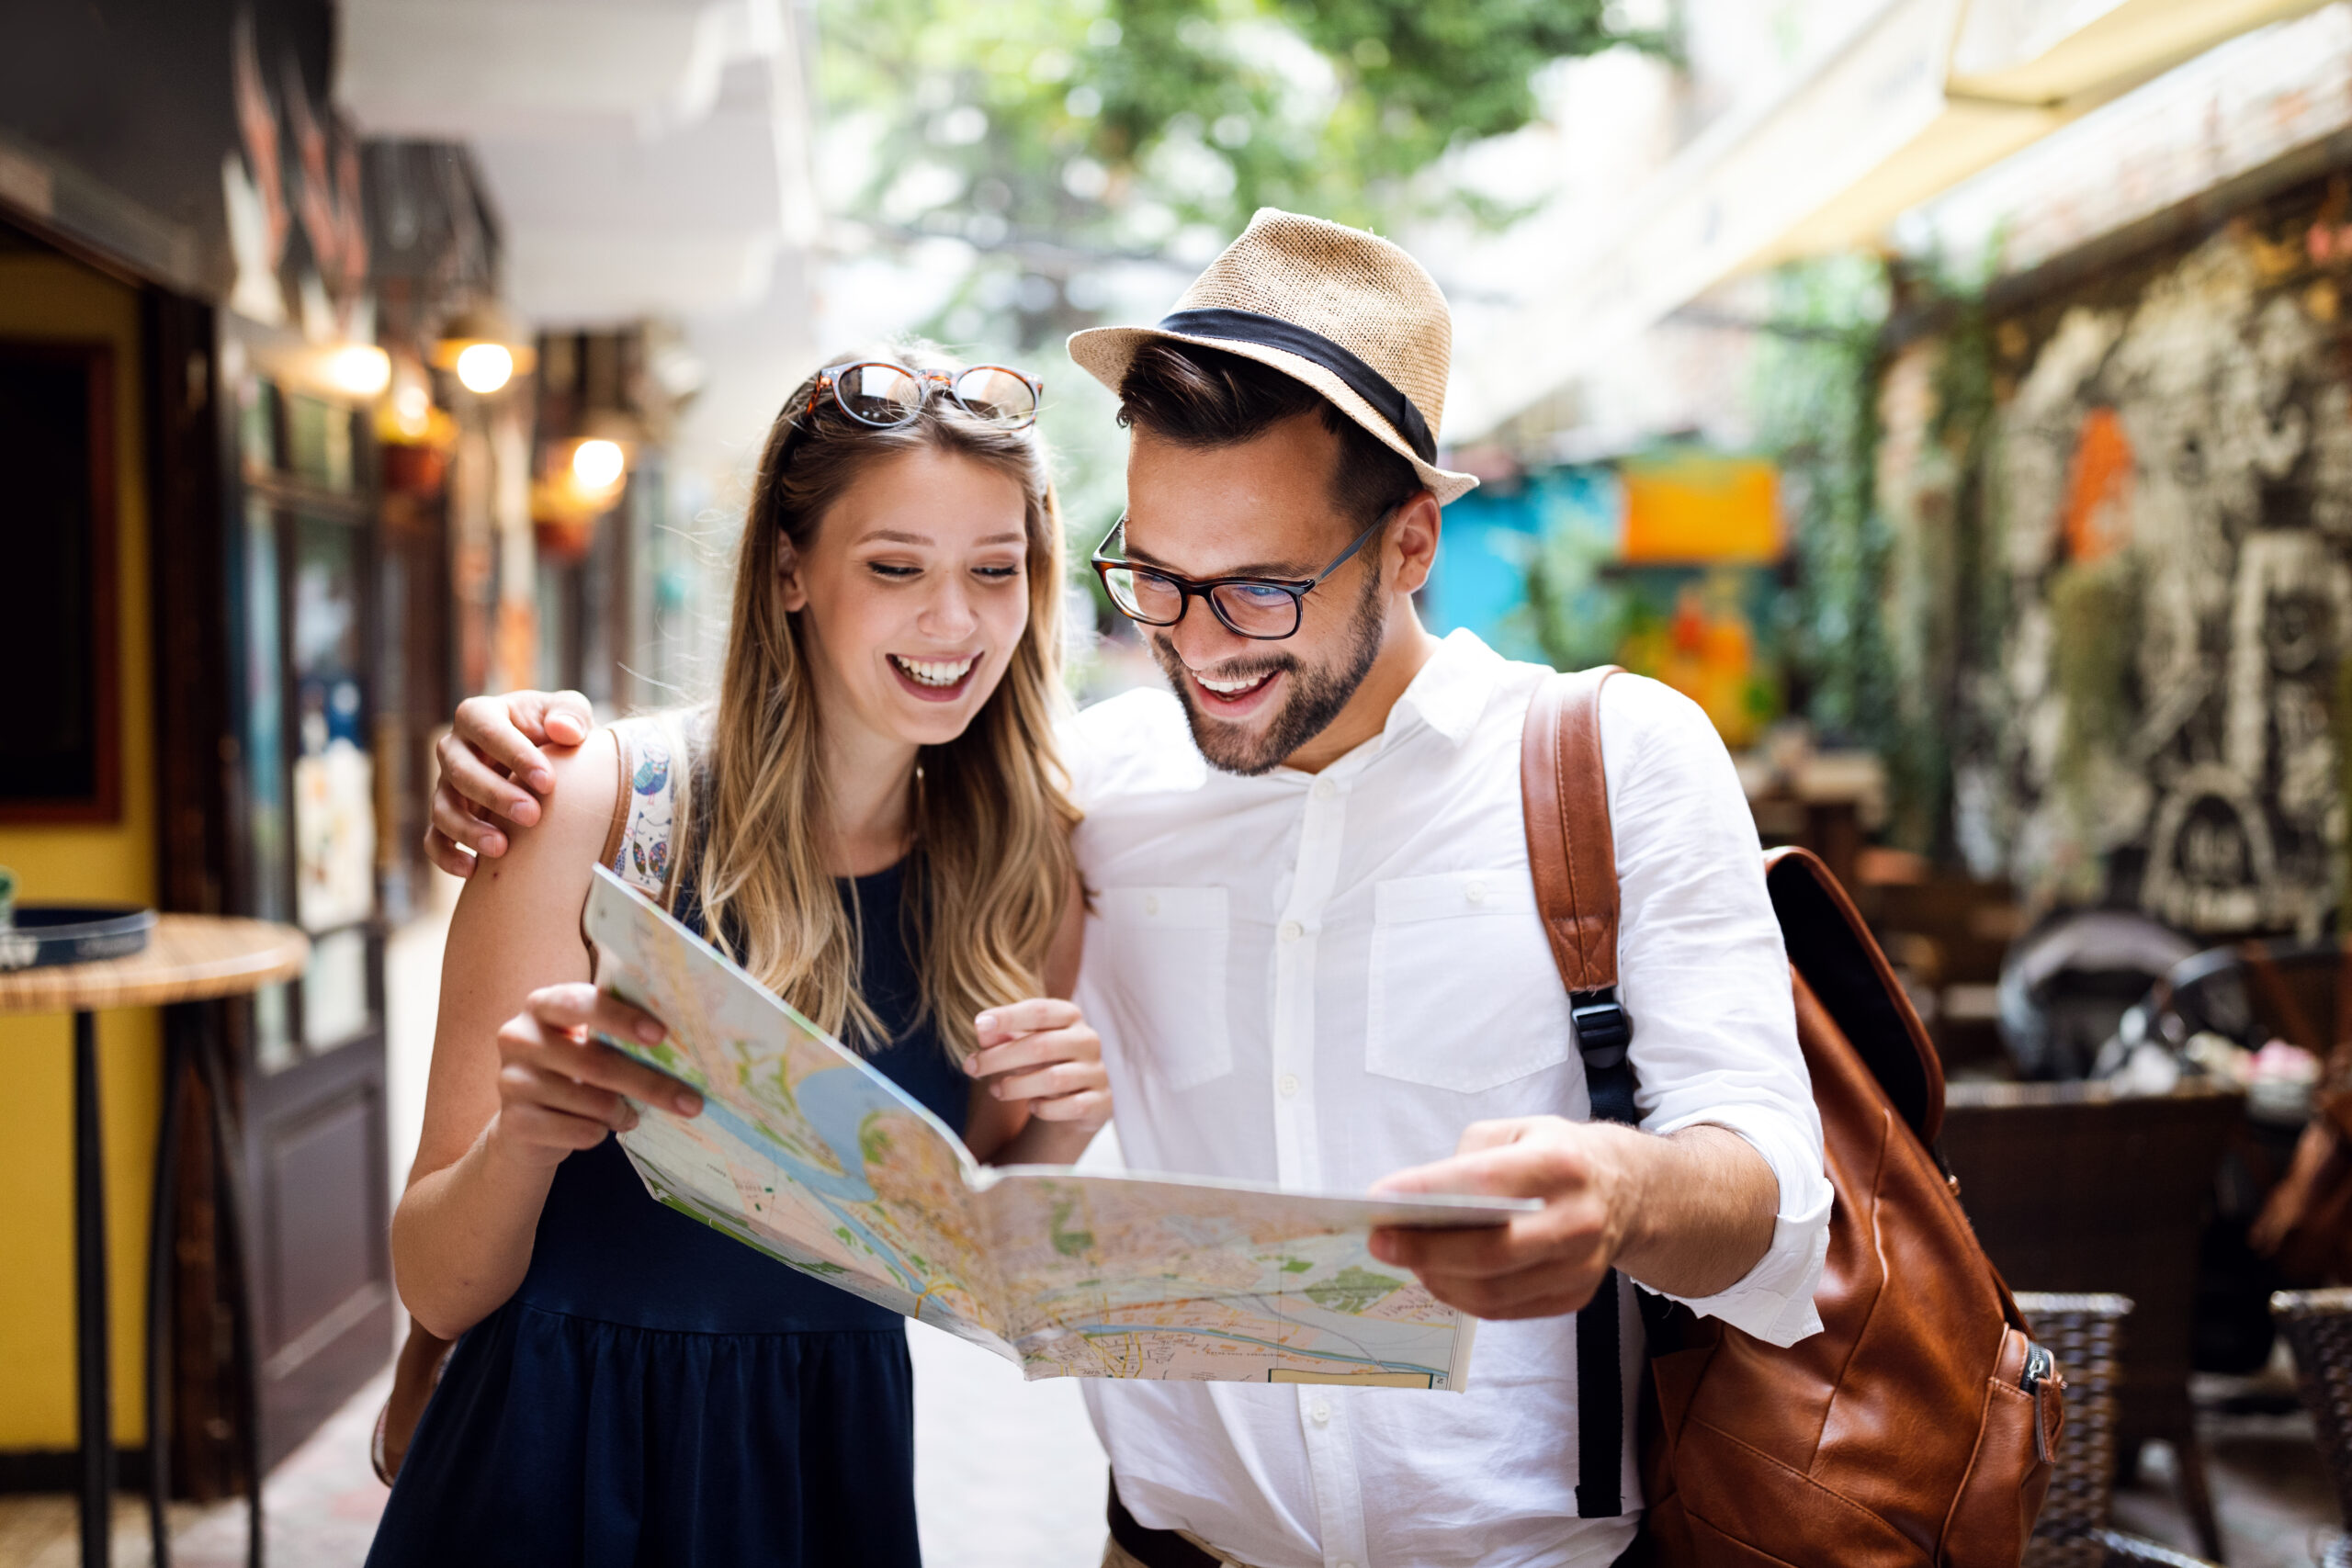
{"x": 1813, "y": 397}
{"x": 1067, "y": 132}
{"x": 1091, "y": 152}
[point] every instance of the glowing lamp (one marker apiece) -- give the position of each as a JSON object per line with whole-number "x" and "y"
{"x": 360, "y": 370}
{"x": 484, "y": 368}
{"x": 485, "y": 348}
{"x": 411, "y": 410}
{"x": 597, "y": 463}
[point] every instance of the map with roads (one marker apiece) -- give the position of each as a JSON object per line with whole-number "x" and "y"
{"x": 806, "y": 1153}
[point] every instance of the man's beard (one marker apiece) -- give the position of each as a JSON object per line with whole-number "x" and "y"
{"x": 1315, "y": 700}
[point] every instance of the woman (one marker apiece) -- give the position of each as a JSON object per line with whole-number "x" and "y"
{"x": 876, "y": 828}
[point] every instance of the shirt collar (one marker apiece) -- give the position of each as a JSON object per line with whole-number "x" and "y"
{"x": 1450, "y": 691}
{"x": 1448, "y": 695}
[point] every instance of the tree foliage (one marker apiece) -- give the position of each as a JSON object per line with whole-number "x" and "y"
{"x": 1812, "y": 397}
{"x": 1059, "y": 133}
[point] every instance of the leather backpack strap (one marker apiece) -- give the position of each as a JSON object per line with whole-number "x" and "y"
{"x": 1572, "y": 855}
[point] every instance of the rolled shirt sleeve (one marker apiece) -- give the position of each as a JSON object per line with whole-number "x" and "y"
{"x": 1703, "y": 975}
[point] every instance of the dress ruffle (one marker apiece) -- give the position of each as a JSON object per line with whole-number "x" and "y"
{"x": 563, "y": 1441}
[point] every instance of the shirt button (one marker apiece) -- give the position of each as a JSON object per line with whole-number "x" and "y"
{"x": 1287, "y": 1086}
{"x": 1475, "y": 891}
{"x": 1324, "y": 789}
{"x": 1292, "y": 931}
{"x": 1150, "y": 904}
{"x": 1320, "y": 1414}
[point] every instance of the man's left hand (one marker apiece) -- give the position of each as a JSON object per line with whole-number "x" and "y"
{"x": 1539, "y": 1265}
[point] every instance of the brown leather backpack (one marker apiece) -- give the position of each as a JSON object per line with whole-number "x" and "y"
{"x": 2305, "y": 1225}
{"x": 1915, "y": 1429}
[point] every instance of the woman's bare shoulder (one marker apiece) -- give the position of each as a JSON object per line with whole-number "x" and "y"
{"x": 576, "y": 816}
{"x": 517, "y": 922}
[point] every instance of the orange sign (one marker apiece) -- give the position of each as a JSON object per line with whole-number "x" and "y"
{"x": 2098, "y": 489}
{"x": 1700, "y": 508}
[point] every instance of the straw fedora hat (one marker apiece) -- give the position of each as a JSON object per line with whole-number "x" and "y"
{"x": 1347, "y": 312}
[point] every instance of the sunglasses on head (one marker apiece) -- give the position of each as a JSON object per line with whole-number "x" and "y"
{"x": 878, "y": 393}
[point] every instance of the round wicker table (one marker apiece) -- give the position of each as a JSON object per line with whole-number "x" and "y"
{"x": 187, "y": 958}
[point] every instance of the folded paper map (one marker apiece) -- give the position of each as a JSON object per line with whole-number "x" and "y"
{"x": 806, "y": 1153}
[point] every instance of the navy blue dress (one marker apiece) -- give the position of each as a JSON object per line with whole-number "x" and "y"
{"x": 658, "y": 1394}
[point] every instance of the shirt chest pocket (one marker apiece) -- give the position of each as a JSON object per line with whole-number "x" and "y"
{"x": 1464, "y": 993}
{"x": 1166, "y": 987}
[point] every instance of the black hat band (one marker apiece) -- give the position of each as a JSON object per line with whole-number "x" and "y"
{"x": 1273, "y": 331}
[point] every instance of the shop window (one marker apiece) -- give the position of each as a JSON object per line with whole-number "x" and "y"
{"x": 60, "y": 752}
{"x": 335, "y": 989}
{"x": 304, "y": 582}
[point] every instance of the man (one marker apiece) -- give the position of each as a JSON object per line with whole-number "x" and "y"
{"x": 1314, "y": 956}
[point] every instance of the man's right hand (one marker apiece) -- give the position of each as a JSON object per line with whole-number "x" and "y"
{"x": 493, "y": 774}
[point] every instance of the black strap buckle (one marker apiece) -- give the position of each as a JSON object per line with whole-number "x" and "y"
{"x": 1604, "y": 1030}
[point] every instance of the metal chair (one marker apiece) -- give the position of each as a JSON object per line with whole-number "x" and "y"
{"x": 2075, "y": 1187}
{"x": 2084, "y": 1333}
{"x": 2258, "y": 990}
{"x": 2318, "y": 1324}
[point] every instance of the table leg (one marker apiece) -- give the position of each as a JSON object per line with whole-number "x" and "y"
{"x": 228, "y": 1215}
{"x": 96, "y": 1395}
{"x": 161, "y": 1233}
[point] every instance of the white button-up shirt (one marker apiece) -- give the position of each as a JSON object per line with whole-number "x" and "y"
{"x": 1320, "y": 978}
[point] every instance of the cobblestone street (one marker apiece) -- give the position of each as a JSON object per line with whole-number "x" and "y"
{"x": 1007, "y": 1473}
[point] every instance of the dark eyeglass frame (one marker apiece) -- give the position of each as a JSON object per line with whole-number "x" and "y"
{"x": 1204, "y": 587}
{"x": 930, "y": 383}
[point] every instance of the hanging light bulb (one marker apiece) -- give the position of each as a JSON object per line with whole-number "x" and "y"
{"x": 484, "y": 347}
{"x": 485, "y": 366}
{"x": 361, "y": 369}
{"x": 411, "y": 409}
{"x": 597, "y": 463}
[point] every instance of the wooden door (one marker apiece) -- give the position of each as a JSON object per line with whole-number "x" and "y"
{"x": 302, "y": 566}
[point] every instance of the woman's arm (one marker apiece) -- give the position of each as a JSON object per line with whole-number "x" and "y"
{"x": 515, "y": 1083}
{"x": 1039, "y": 1093}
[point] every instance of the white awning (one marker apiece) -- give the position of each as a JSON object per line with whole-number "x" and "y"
{"x": 646, "y": 157}
{"x": 1921, "y": 95}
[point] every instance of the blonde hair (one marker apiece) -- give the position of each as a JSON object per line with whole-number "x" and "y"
{"x": 991, "y": 869}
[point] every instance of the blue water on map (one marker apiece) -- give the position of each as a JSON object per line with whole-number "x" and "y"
{"x": 835, "y": 1101}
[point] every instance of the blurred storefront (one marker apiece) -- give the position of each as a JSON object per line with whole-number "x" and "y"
{"x": 256, "y": 302}
{"x": 651, "y": 170}
{"x": 2098, "y": 257}
{"x": 341, "y": 405}
{"x": 600, "y": 506}
{"x": 2117, "y": 481}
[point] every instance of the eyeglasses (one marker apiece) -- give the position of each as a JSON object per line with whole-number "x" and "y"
{"x": 1265, "y": 609}
{"x": 878, "y": 393}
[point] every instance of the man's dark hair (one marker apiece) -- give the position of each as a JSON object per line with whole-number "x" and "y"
{"x": 1206, "y": 397}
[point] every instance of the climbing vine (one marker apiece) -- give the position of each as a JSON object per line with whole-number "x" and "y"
{"x": 1812, "y": 399}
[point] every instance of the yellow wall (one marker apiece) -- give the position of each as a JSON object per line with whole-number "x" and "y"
{"x": 52, "y": 298}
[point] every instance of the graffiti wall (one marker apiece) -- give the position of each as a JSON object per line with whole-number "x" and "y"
{"x": 2158, "y": 535}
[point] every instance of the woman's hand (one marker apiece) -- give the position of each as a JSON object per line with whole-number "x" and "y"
{"x": 561, "y": 1091}
{"x": 1041, "y": 1052}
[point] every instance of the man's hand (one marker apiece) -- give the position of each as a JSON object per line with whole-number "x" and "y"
{"x": 492, "y": 773}
{"x": 1539, "y": 1265}
{"x": 1689, "y": 1214}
